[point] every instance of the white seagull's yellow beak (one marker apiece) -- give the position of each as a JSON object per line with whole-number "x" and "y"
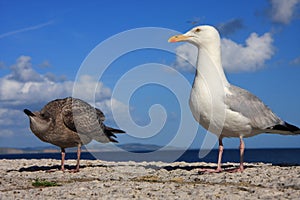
{"x": 178, "y": 38}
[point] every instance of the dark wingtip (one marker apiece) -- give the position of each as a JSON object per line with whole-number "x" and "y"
{"x": 114, "y": 130}
{"x": 118, "y": 131}
{"x": 28, "y": 112}
{"x": 113, "y": 140}
{"x": 286, "y": 127}
{"x": 292, "y": 128}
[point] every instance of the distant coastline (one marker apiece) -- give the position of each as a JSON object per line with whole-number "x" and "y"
{"x": 132, "y": 147}
{"x": 140, "y": 153}
{"x": 4, "y": 150}
{"x": 95, "y": 148}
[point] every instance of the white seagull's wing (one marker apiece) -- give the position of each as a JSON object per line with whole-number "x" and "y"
{"x": 261, "y": 117}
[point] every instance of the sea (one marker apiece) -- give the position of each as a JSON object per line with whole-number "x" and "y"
{"x": 282, "y": 157}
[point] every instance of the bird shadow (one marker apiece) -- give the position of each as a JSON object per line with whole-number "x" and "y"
{"x": 286, "y": 165}
{"x": 225, "y": 168}
{"x": 52, "y": 168}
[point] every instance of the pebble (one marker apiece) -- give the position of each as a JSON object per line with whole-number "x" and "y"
{"x": 145, "y": 180}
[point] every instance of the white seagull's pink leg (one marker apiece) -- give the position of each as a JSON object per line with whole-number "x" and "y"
{"x": 221, "y": 149}
{"x": 219, "y": 167}
{"x": 242, "y": 149}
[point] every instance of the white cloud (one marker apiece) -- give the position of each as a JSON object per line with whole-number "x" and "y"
{"x": 230, "y": 26}
{"x": 248, "y": 57}
{"x": 283, "y": 11}
{"x": 106, "y": 106}
{"x": 2, "y": 65}
{"x": 52, "y": 77}
{"x": 10, "y": 117}
{"x": 235, "y": 57}
{"x": 295, "y": 61}
{"x": 25, "y": 88}
{"x": 22, "y": 71}
{"x": 6, "y": 133}
{"x": 45, "y": 64}
{"x": 186, "y": 57}
{"x": 15, "y": 93}
{"x": 87, "y": 87}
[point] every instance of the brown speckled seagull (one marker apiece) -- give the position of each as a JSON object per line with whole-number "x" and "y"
{"x": 70, "y": 122}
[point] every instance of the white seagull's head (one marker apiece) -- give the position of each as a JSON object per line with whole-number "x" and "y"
{"x": 200, "y": 36}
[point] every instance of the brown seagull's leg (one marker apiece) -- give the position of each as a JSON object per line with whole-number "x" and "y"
{"x": 78, "y": 157}
{"x": 63, "y": 154}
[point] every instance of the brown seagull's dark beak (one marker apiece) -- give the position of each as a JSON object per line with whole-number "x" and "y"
{"x": 29, "y": 113}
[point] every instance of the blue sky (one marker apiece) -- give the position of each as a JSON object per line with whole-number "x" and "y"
{"x": 43, "y": 46}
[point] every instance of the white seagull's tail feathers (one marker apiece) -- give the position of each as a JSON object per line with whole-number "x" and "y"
{"x": 284, "y": 129}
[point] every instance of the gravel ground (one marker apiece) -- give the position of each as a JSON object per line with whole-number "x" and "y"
{"x": 145, "y": 180}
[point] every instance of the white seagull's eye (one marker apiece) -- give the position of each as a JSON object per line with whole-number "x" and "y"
{"x": 197, "y": 30}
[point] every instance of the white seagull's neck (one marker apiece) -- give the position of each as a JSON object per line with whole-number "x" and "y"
{"x": 209, "y": 66}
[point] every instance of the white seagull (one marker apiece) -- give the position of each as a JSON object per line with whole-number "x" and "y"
{"x": 221, "y": 108}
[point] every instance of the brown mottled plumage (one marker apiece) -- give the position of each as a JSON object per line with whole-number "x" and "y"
{"x": 70, "y": 122}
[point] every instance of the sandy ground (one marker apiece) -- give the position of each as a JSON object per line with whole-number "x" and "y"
{"x": 145, "y": 180}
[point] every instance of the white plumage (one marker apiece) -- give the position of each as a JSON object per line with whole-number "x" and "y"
{"x": 221, "y": 108}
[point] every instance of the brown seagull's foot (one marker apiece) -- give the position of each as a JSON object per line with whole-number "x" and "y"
{"x": 73, "y": 170}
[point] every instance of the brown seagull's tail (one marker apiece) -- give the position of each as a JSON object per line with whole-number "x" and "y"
{"x": 110, "y": 133}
